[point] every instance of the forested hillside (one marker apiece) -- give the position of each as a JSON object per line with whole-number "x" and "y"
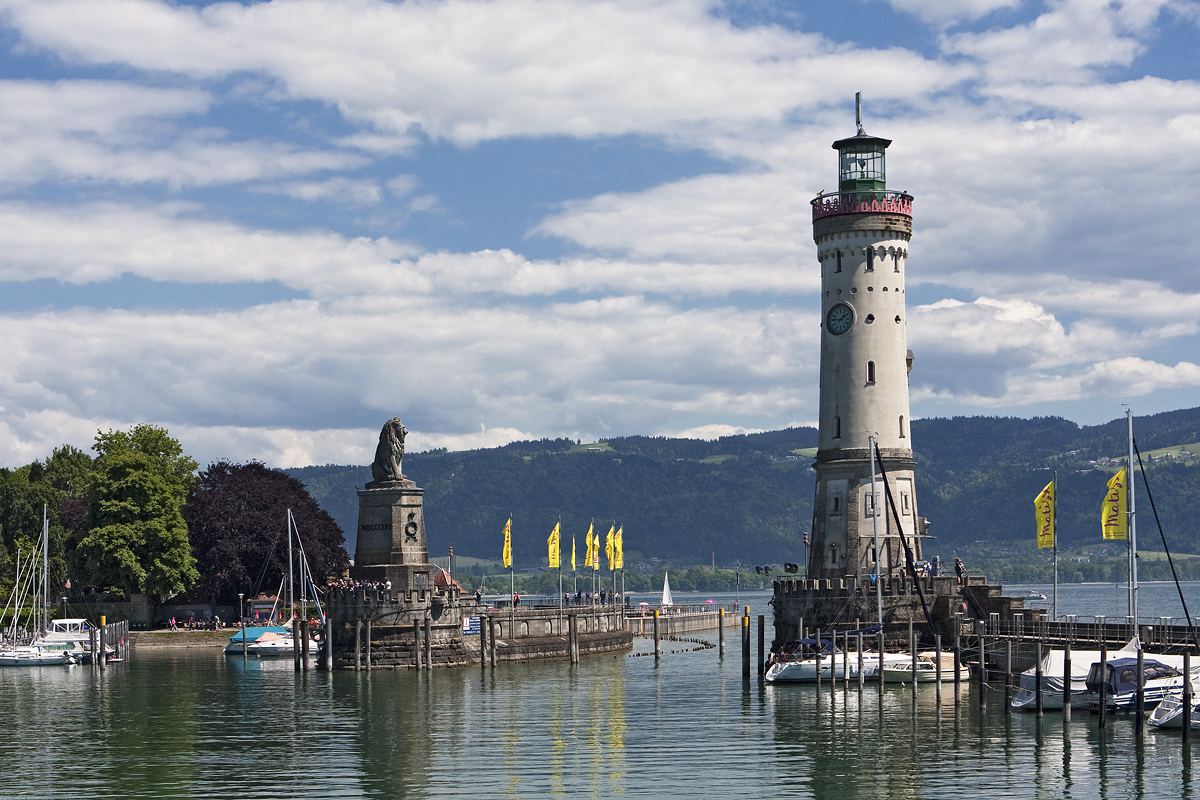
{"x": 749, "y": 498}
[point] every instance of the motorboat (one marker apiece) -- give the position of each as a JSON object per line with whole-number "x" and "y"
{"x": 34, "y": 656}
{"x": 1119, "y": 677}
{"x": 927, "y": 669}
{"x": 274, "y": 645}
{"x": 801, "y": 661}
{"x": 1053, "y": 666}
{"x": 234, "y": 648}
{"x": 1169, "y": 712}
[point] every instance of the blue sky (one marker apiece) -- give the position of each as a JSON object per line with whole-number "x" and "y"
{"x": 271, "y": 226}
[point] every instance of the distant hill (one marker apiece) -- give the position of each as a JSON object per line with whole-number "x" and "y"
{"x": 749, "y": 497}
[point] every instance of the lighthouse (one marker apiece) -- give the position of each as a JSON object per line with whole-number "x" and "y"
{"x": 862, "y": 233}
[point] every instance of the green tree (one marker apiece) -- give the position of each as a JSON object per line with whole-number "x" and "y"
{"x": 135, "y": 536}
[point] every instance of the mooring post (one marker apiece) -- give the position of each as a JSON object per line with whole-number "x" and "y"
{"x": 1139, "y": 718}
{"x": 357, "y": 644}
{"x": 103, "y": 620}
{"x": 368, "y": 647}
{"x": 746, "y": 643}
{"x": 484, "y": 626}
{"x": 1104, "y": 682}
{"x": 492, "y": 639}
{"x": 845, "y": 663}
{"x": 327, "y": 641}
{"x": 819, "y": 654}
{"x": 1008, "y": 675}
{"x": 957, "y": 659}
{"x": 1066, "y": 690}
{"x": 417, "y": 644}
{"x": 762, "y": 634}
{"x": 859, "y": 649}
{"x": 937, "y": 668}
{"x": 982, "y": 665}
{"x": 721, "y": 632}
{"x": 912, "y": 650}
{"x": 879, "y": 673}
{"x": 1187, "y": 699}
{"x": 304, "y": 644}
{"x": 428, "y": 643}
{"x": 574, "y": 628}
{"x": 1037, "y": 676}
{"x": 657, "y": 646}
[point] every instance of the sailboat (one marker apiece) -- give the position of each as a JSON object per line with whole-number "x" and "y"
{"x": 39, "y": 652}
{"x": 667, "y": 600}
{"x": 273, "y": 643}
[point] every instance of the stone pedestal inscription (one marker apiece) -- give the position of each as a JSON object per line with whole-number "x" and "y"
{"x": 391, "y": 537}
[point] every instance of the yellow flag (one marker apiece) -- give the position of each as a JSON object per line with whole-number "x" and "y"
{"x": 1113, "y": 519}
{"x": 620, "y": 547}
{"x": 1043, "y": 511}
{"x": 552, "y": 542}
{"x": 508, "y": 543}
{"x": 572, "y": 554}
{"x": 608, "y": 548}
{"x": 587, "y": 558}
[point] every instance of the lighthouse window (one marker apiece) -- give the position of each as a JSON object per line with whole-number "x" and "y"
{"x": 870, "y": 318}
{"x": 839, "y": 261}
{"x": 897, "y": 316}
{"x": 896, "y": 258}
{"x": 870, "y": 372}
{"x": 837, "y": 427}
{"x": 901, "y": 427}
{"x": 870, "y": 259}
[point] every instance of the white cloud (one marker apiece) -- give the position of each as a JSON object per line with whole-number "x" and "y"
{"x": 89, "y": 130}
{"x": 714, "y": 431}
{"x": 340, "y": 190}
{"x": 472, "y": 71}
{"x": 947, "y": 12}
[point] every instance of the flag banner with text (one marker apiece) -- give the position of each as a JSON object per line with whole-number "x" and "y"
{"x": 552, "y": 543}
{"x": 572, "y": 554}
{"x": 620, "y": 547}
{"x": 1043, "y": 510}
{"x": 587, "y": 557}
{"x": 608, "y": 548}
{"x": 508, "y": 543}
{"x": 1113, "y": 518}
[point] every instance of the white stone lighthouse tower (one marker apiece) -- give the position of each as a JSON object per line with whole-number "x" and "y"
{"x": 862, "y": 234}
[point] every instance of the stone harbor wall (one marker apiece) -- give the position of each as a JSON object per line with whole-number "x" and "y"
{"x": 374, "y": 629}
{"x": 845, "y": 604}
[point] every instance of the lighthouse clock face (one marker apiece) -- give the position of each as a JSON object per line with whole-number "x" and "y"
{"x": 840, "y": 319}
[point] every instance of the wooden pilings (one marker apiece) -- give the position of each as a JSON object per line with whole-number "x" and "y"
{"x": 762, "y": 635}
{"x": 1066, "y": 692}
{"x": 1039, "y": 700}
{"x": 417, "y": 644}
{"x": 657, "y": 640}
{"x": 721, "y": 632}
{"x": 746, "y": 643}
{"x": 428, "y": 643}
{"x": 1103, "y": 685}
{"x": 1187, "y": 699}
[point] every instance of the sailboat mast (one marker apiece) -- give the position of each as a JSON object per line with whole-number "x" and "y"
{"x": 1133, "y": 576}
{"x": 291, "y": 585}
{"x": 875, "y": 532}
{"x": 45, "y": 566}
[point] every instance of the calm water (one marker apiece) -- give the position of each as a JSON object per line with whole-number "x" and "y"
{"x": 198, "y": 724}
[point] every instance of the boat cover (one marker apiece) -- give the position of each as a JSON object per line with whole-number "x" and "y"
{"x": 252, "y": 634}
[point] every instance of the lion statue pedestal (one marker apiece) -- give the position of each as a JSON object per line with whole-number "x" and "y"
{"x": 391, "y": 521}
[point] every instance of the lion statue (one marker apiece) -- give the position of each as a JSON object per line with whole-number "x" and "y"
{"x": 386, "y": 468}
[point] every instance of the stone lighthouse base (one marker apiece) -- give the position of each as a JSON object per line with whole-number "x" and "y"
{"x": 827, "y": 605}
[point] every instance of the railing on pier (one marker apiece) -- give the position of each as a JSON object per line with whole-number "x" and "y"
{"x": 828, "y": 205}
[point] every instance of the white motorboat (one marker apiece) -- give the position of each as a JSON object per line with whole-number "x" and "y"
{"x": 1119, "y": 675}
{"x": 234, "y": 648}
{"x": 273, "y": 645}
{"x": 927, "y": 669}
{"x": 799, "y": 663}
{"x": 1169, "y": 712}
{"x": 34, "y": 656}
{"x": 1053, "y": 664}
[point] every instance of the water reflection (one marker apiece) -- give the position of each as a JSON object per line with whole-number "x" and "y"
{"x": 194, "y": 725}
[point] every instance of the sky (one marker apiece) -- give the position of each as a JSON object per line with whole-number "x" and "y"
{"x": 271, "y": 226}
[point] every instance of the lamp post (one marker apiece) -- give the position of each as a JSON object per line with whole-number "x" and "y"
{"x": 64, "y": 616}
{"x": 242, "y": 619}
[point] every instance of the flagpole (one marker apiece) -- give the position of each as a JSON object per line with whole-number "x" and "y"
{"x": 1133, "y": 576}
{"x": 1055, "y": 512}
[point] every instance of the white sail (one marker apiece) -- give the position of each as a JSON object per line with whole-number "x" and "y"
{"x": 667, "y": 599}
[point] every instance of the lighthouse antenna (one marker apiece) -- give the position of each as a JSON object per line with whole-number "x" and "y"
{"x": 858, "y": 112}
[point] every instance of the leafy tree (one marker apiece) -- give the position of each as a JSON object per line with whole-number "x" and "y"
{"x": 164, "y": 453}
{"x": 237, "y": 515}
{"x": 136, "y": 538}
